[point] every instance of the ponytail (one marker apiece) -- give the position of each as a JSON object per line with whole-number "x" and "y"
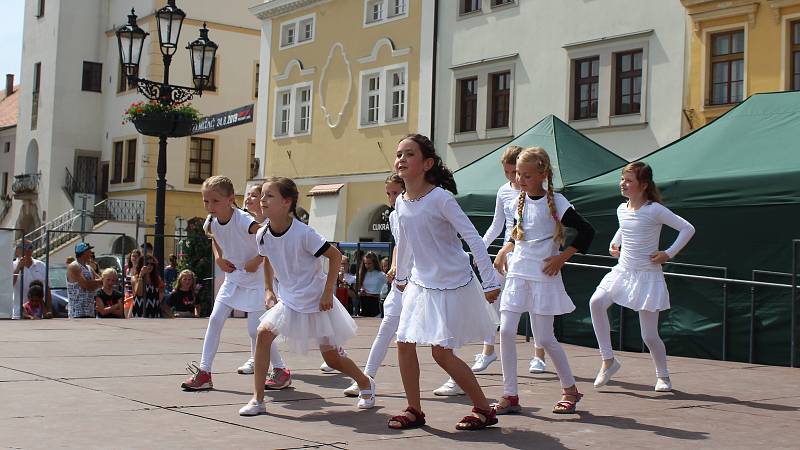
{"x": 517, "y": 233}
{"x": 551, "y": 204}
{"x": 438, "y": 175}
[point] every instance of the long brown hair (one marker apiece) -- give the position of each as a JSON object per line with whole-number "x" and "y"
{"x": 288, "y": 189}
{"x": 362, "y": 272}
{"x": 439, "y": 174}
{"x": 539, "y": 157}
{"x": 395, "y": 178}
{"x": 644, "y": 174}
{"x": 511, "y": 154}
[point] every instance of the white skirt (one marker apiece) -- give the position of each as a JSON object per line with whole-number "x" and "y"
{"x": 241, "y": 298}
{"x": 308, "y": 331}
{"x": 447, "y": 318}
{"x": 636, "y": 289}
{"x": 545, "y": 298}
{"x": 393, "y": 305}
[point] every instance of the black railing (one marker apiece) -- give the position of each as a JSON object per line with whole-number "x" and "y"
{"x": 69, "y": 185}
{"x": 119, "y": 210}
{"x": 27, "y": 183}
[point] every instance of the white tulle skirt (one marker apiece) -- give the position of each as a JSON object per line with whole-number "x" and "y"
{"x": 301, "y": 332}
{"x": 545, "y": 298}
{"x": 637, "y": 289}
{"x": 447, "y": 318}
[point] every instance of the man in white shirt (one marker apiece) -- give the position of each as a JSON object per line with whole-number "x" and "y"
{"x": 27, "y": 268}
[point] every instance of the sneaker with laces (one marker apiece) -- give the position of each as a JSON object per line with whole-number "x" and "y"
{"x": 537, "y": 365}
{"x": 449, "y": 389}
{"x": 247, "y": 367}
{"x": 278, "y": 379}
{"x": 482, "y": 362}
{"x": 253, "y": 408}
{"x": 199, "y": 380}
{"x": 352, "y": 391}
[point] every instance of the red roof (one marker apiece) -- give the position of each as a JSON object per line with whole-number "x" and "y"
{"x": 9, "y": 109}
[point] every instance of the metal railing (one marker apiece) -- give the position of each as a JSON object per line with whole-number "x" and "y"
{"x": 27, "y": 183}
{"x": 119, "y": 210}
{"x": 69, "y": 185}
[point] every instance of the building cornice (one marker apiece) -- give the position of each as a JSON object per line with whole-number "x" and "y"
{"x": 748, "y": 10}
{"x": 776, "y": 6}
{"x": 270, "y": 9}
{"x": 605, "y": 39}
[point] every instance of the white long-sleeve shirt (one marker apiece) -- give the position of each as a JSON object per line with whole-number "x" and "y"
{"x": 505, "y": 208}
{"x": 429, "y": 251}
{"x": 639, "y": 232}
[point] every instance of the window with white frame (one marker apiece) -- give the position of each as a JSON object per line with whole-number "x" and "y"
{"x": 502, "y": 2}
{"x": 483, "y": 100}
{"x": 376, "y": 11}
{"x": 384, "y": 95}
{"x": 469, "y": 6}
{"x": 297, "y": 31}
{"x": 293, "y": 110}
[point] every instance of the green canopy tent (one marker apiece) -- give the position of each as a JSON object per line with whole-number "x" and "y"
{"x": 738, "y": 181}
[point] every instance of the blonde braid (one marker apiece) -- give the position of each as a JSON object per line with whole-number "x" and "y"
{"x": 551, "y": 203}
{"x": 516, "y": 233}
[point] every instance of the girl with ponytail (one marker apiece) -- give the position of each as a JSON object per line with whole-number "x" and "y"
{"x": 533, "y": 278}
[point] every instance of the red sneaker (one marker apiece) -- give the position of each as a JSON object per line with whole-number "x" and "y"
{"x": 199, "y": 381}
{"x": 279, "y": 379}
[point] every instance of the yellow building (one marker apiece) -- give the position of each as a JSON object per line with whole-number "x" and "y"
{"x": 738, "y": 48}
{"x": 347, "y": 80}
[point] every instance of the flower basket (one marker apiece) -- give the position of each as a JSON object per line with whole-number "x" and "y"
{"x": 168, "y": 124}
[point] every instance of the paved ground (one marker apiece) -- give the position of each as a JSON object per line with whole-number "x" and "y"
{"x": 114, "y": 384}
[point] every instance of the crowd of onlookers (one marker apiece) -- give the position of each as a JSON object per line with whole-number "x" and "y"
{"x": 142, "y": 291}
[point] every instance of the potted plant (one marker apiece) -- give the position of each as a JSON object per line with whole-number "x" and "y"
{"x": 156, "y": 119}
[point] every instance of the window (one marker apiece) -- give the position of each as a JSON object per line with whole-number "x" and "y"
{"x": 628, "y": 87}
{"x": 468, "y": 6}
{"x": 201, "y": 157}
{"x": 796, "y": 56}
{"x": 587, "y": 72}
{"x": 116, "y": 174}
{"x": 397, "y": 8}
{"x": 284, "y": 113}
{"x": 7, "y": 147}
{"x": 500, "y": 99}
{"x": 303, "y": 119}
{"x": 130, "y": 161}
{"x": 398, "y": 93}
{"x": 40, "y": 8}
{"x": 293, "y": 108}
{"x": 384, "y": 10}
{"x": 297, "y": 31}
{"x": 92, "y": 76}
{"x": 468, "y": 104}
{"x": 374, "y": 11}
{"x": 255, "y": 77}
{"x": 252, "y": 162}
{"x": 5, "y": 184}
{"x": 373, "y": 99}
{"x": 502, "y": 2}
{"x": 122, "y": 83}
{"x": 37, "y": 78}
{"x": 727, "y": 67}
{"x": 212, "y": 79}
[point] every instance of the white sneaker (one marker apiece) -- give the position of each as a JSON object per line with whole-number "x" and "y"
{"x": 448, "y": 389}
{"x": 604, "y": 376}
{"x": 482, "y": 362}
{"x": 253, "y": 408}
{"x": 663, "y": 385}
{"x": 247, "y": 367}
{"x": 537, "y": 365}
{"x": 326, "y": 368}
{"x": 369, "y": 402}
{"x": 352, "y": 391}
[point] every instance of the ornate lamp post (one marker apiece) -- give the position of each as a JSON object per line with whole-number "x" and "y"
{"x": 202, "y": 51}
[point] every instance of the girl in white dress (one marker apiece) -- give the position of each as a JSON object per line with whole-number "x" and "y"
{"x": 306, "y": 316}
{"x": 244, "y": 287}
{"x": 444, "y": 305}
{"x": 533, "y": 278}
{"x": 504, "y": 209}
{"x": 637, "y": 281}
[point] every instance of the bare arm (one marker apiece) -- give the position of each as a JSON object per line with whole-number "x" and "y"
{"x": 334, "y": 262}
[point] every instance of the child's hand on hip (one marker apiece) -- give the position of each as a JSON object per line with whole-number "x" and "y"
{"x": 659, "y": 258}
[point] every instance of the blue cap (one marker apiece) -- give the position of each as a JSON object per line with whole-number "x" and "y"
{"x": 82, "y": 247}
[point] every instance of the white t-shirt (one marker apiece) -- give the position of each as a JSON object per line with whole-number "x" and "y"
{"x": 640, "y": 230}
{"x": 37, "y": 271}
{"x": 373, "y": 281}
{"x": 539, "y": 228}
{"x": 429, "y": 251}
{"x": 295, "y": 258}
{"x": 505, "y": 209}
{"x": 238, "y": 247}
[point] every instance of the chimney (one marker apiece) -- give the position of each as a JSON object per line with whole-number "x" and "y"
{"x": 9, "y": 84}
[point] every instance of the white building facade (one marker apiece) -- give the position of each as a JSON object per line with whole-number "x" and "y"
{"x": 612, "y": 69}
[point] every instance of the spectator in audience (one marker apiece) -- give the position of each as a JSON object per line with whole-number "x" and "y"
{"x": 347, "y": 281}
{"x": 108, "y": 301}
{"x": 183, "y": 299}
{"x": 148, "y": 288}
{"x": 34, "y": 308}
{"x": 82, "y": 282}
{"x": 29, "y": 269}
{"x": 386, "y": 286}
{"x": 170, "y": 274}
{"x": 69, "y": 260}
{"x": 372, "y": 281}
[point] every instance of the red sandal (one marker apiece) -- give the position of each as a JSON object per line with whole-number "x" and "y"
{"x": 567, "y": 406}
{"x": 472, "y": 423}
{"x": 405, "y": 422}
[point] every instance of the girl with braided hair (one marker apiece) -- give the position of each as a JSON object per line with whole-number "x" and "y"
{"x": 533, "y": 275}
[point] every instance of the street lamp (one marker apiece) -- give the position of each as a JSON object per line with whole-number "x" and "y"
{"x": 130, "y": 39}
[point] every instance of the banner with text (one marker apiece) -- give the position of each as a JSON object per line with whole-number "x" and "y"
{"x": 227, "y": 119}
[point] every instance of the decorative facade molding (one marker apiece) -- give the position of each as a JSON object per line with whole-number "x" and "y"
{"x": 324, "y": 73}
{"x": 749, "y": 10}
{"x": 776, "y": 6}
{"x": 271, "y": 9}
{"x": 373, "y": 56}
{"x": 288, "y": 70}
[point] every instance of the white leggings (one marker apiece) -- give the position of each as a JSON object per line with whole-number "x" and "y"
{"x": 386, "y": 331}
{"x": 219, "y": 314}
{"x": 543, "y": 331}
{"x": 648, "y": 322}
